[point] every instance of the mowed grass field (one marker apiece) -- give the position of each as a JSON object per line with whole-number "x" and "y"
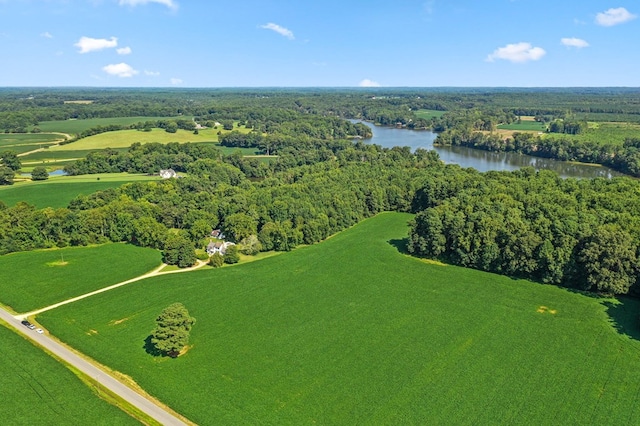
{"x": 429, "y": 113}
{"x": 353, "y": 331}
{"x": 525, "y": 126}
{"x": 38, "y": 390}
{"x": 125, "y": 138}
{"x": 31, "y": 280}
{"x": 58, "y": 191}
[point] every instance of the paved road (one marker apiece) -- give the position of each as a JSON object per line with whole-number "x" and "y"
{"x": 94, "y": 372}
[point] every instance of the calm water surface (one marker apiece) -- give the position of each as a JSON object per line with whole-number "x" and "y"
{"x": 483, "y": 161}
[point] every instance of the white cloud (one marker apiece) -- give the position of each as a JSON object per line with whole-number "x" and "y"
{"x": 574, "y": 42}
{"x": 518, "y": 52}
{"x": 280, "y": 30}
{"x": 615, "y": 16}
{"x": 88, "y": 44}
{"x": 120, "y": 70}
{"x": 152, "y": 73}
{"x": 175, "y": 81}
{"x": 124, "y": 51}
{"x": 46, "y": 34}
{"x": 368, "y": 83}
{"x": 171, "y": 4}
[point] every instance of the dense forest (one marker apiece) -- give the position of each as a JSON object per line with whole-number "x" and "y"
{"x": 583, "y": 234}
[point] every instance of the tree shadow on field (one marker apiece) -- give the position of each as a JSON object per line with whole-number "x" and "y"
{"x": 624, "y": 315}
{"x": 150, "y": 348}
{"x": 401, "y": 245}
{"x": 586, "y": 293}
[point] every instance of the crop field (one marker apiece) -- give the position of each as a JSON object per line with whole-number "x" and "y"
{"x": 25, "y": 142}
{"x": 17, "y": 139}
{"x": 58, "y": 191}
{"x": 610, "y": 133}
{"x": 429, "y": 113}
{"x": 37, "y": 390}
{"x": 353, "y": 331}
{"x": 525, "y": 125}
{"x": 78, "y": 126}
{"x": 32, "y": 280}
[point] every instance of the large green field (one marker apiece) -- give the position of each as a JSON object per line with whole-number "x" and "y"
{"x": 58, "y": 191}
{"x": 25, "y": 142}
{"x": 78, "y": 126}
{"x": 614, "y": 133}
{"x": 31, "y": 280}
{"x": 524, "y": 126}
{"x": 38, "y": 390}
{"x": 353, "y": 331}
{"x": 429, "y": 113}
{"x": 125, "y": 138}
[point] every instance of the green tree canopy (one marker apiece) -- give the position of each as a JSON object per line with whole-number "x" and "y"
{"x": 171, "y": 334}
{"x": 6, "y": 175}
{"x": 178, "y": 250}
{"x": 39, "y": 173}
{"x": 10, "y": 159}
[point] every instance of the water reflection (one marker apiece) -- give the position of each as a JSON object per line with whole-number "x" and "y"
{"x": 483, "y": 161}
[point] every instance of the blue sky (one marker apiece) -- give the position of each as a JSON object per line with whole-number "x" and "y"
{"x": 320, "y": 43}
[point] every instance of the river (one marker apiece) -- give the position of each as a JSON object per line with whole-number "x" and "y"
{"x": 480, "y": 160}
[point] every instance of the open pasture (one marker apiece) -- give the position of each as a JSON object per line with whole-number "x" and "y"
{"x": 58, "y": 191}
{"x": 38, "y": 390}
{"x": 429, "y": 113}
{"x": 79, "y": 126}
{"x": 32, "y": 280}
{"x": 353, "y": 331}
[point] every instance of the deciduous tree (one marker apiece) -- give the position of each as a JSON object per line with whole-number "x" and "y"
{"x": 171, "y": 334}
{"x": 39, "y": 173}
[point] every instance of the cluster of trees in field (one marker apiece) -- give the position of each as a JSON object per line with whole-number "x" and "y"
{"x": 576, "y": 233}
{"x": 142, "y": 158}
{"x": 9, "y": 165}
{"x": 569, "y": 127}
{"x": 271, "y": 136}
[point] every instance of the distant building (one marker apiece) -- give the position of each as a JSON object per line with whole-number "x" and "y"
{"x": 218, "y": 247}
{"x": 168, "y": 174}
{"x": 216, "y": 233}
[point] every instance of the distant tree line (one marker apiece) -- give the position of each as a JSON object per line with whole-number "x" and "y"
{"x": 624, "y": 158}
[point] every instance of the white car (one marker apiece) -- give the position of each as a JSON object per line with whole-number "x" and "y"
{"x": 39, "y": 330}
